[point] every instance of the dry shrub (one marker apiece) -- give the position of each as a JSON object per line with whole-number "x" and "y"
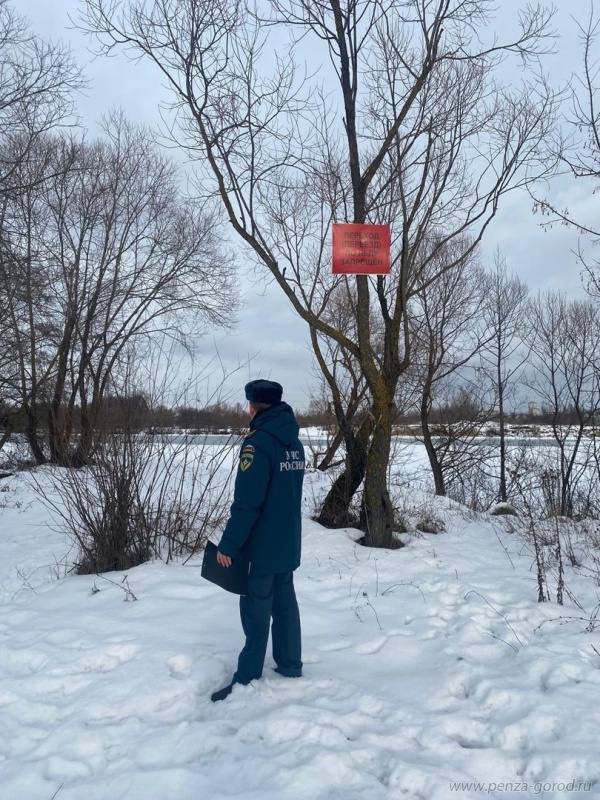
{"x": 429, "y": 522}
{"x": 144, "y": 496}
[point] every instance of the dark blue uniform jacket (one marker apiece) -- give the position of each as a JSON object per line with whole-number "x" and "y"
{"x": 265, "y": 522}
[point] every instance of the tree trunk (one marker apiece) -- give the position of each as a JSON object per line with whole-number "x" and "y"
{"x": 87, "y": 423}
{"x": 503, "y": 492}
{"x": 31, "y": 433}
{"x": 59, "y": 419}
{"x": 331, "y": 451}
{"x": 434, "y": 462}
{"x": 500, "y": 384}
{"x": 378, "y": 508}
{"x": 90, "y": 432}
{"x": 4, "y": 437}
{"x": 60, "y": 426}
{"x": 335, "y": 510}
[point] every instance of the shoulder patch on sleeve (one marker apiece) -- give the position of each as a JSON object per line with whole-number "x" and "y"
{"x": 258, "y": 447}
{"x": 246, "y": 460}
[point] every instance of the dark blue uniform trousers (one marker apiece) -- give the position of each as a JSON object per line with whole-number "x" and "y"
{"x": 269, "y": 595}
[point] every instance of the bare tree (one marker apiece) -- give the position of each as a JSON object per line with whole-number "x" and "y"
{"x": 579, "y": 153}
{"x": 25, "y": 289}
{"x": 565, "y": 342}
{"x": 504, "y": 354}
{"x": 109, "y": 254}
{"x": 449, "y": 334}
{"x": 348, "y": 391}
{"x": 421, "y": 135}
{"x": 37, "y": 80}
{"x": 458, "y": 419}
{"x": 7, "y": 352}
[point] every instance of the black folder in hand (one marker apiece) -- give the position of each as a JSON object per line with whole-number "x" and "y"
{"x": 233, "y": 579}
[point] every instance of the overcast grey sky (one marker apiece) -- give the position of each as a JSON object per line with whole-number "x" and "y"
{"x": 267, "y": 330}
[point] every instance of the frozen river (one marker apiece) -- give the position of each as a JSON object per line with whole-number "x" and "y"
{"x": 319, "y": 440}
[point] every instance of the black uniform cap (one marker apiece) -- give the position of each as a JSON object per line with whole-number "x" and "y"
{"x": 261, "y": 391}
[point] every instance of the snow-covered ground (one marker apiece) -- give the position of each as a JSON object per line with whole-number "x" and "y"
{"x": 424, "y": 667}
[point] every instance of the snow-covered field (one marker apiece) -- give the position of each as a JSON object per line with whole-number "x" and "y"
{"x": 425, "y": 668}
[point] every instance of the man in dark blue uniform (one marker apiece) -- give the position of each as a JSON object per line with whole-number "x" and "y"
{"x": 265, "y": 526}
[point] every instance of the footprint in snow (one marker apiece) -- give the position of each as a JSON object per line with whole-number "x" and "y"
{"x": 180, "y": 666}
{"x": 371, "y": 647}
{"x": 469, "y": 733}
{"x": 58, "y": 768}
{"x": 526, "y": 735}
{"x": 335, "y": 645}
{"x": 549, "y": 676}
{"x": 22, "y": 661}
{"x": 106, "y": 661}
{"x": 463, "y": 685}
{"x": 59, "y": 686}
{"x": 512, "y": 705}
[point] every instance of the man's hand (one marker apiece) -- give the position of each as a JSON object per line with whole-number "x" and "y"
{"x": 223, "y": 560}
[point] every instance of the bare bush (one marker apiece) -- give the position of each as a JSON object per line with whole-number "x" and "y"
{"x": 430, "y": 522}
{"x": 145, "y": 493}
{"x": 472, "y": 482}
{"x": 142, "y": 497}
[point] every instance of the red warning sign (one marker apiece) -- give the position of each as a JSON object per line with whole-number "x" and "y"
{"x": 361, "y": 249}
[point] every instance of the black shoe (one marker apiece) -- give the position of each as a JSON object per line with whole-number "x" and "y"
{"x": 222, "y": 693}
{"x": 287, "y": 674}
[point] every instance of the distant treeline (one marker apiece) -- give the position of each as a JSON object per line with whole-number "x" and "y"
{"x": 136, "y": 412}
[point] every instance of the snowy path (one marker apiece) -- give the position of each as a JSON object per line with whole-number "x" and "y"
{"x": 413, "y": 678}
